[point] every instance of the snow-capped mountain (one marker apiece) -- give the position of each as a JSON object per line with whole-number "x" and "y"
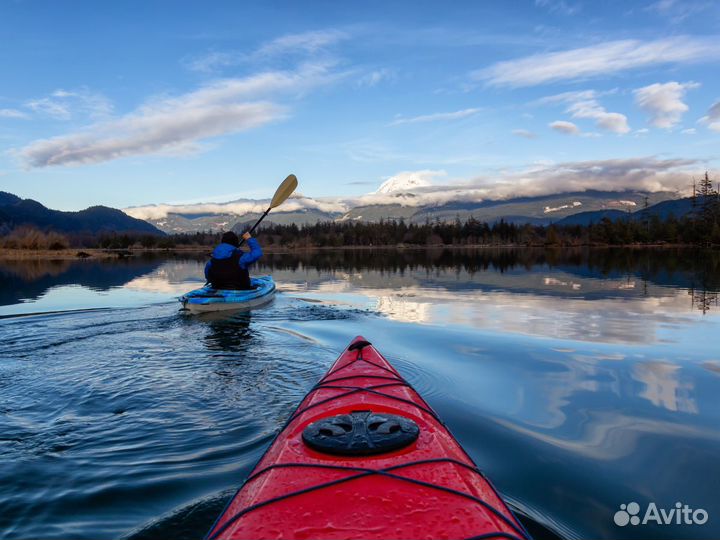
{"x": 541, "y": 194}
{"x": 406, "y": 182}
{"x": 537, "y": 210}
{"x": 184, "y": 218}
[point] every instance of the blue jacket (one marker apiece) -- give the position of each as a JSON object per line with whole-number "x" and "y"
{"x": 225, "y": 251}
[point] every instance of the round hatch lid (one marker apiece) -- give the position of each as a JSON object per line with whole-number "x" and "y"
{"x": 360, "y": 433}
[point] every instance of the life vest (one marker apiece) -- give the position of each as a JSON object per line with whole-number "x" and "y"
{"x": 227, "y": 274}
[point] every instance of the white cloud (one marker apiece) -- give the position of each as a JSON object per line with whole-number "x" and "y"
{"x": 163, "y": 130}
{"x": 615, "y": 122}
{"x": 238, "y": 208}
{"x": 308, "y": 42}
{"x": 456, "y": 115}
{"x": 527, "y": 134}
{"x": 50, "y": 107}
{"x": 565, "y": 127}
{"x": 583, "y": 104}
{"x": 714, "y": 112}
{"x": 375, "y": 77}
{"x": 566, "y": 97}
{"x": 678, "y": 10}
{"x": 177, "y": 124}
{"x": 12, "y": 113}
{"x": 559, "y": 6}
{"x": 640, "y": 173}
{"x": 303, "y": 44}
{"x": 602, "y": 59}
{"x": 421, "y": 188}
{"x": 712, "y": 118}
{"x": 664, "y": 102}
{"x": 63, "y": 104}
{"x": 689, "y": 131}
{"x": 610, "y": 121}
{"x": 212, "y": 61}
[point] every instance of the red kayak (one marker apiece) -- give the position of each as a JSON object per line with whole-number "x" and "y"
{"x": 364, "y": 457}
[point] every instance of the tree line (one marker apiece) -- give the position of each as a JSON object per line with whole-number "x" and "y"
{"x": 690, "y": 230}
{"x": 699, "y": 227}
{"x": 472, "y": 232}
{"x": 651, "y": 230}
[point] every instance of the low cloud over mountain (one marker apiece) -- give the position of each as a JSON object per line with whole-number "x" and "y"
{"x": 421, "y": 190}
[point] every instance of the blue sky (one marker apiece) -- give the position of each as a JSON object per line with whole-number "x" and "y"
{"x": 136, "y": 103}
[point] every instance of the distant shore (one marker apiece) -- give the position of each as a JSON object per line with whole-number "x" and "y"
{"x": 107, "y": 254}
{"x": 88, "y": 253}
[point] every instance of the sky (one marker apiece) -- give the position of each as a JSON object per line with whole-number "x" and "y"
{"x": 139, "y": 103}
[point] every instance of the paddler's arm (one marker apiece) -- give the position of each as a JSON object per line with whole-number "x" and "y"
{"x": 253, "y": 255}
{"x": 207, "y": 269}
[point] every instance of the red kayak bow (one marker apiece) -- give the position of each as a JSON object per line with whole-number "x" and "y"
{"x": 365, "y": 457}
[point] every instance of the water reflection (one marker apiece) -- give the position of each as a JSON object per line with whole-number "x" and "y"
{"x": 29, "y": 280}
{"x": 616, "y": 271}
{"x": 703, "y": 299}
{"x": 578, "y": 380}
{"x": 664, "y": 388}
{"x": 227, "y": 332}
{"x": 604, "y": 295}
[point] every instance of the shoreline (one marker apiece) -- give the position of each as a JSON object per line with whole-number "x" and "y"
{"x": 118, "y": 254}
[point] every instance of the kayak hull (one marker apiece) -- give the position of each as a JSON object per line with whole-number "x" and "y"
{"x": 429, "y": 488}
{"x": 207, "y": 299}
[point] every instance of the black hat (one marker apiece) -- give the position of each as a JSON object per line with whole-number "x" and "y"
{"x": 230, "y": 238}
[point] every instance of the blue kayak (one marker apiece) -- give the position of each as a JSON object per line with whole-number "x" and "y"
{"x": 208, "y": 299}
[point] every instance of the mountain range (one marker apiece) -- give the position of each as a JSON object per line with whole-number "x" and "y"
{"x": 537, "y": 210}
{"x": 395, "y": 202}
{"x": 16, "y": 212}
{"x": 663, "y": 210}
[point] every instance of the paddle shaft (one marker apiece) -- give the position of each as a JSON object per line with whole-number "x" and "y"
{"x": 242, "y": 240}
{"x": 283, "y": 191}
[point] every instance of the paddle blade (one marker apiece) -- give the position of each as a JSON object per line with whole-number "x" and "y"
{"x": 284, "y": 191}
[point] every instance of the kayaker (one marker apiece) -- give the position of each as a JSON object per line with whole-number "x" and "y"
{"x": 228, "y": 266}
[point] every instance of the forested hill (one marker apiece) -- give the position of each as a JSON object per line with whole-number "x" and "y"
{"x": 16, "y": 212}
{"x": 677, "y": 208}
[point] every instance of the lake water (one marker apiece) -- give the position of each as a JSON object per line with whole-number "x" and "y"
{"x": 577, "y": 380}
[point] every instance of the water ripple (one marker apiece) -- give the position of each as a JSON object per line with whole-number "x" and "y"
{"x": 140, "y": 421}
